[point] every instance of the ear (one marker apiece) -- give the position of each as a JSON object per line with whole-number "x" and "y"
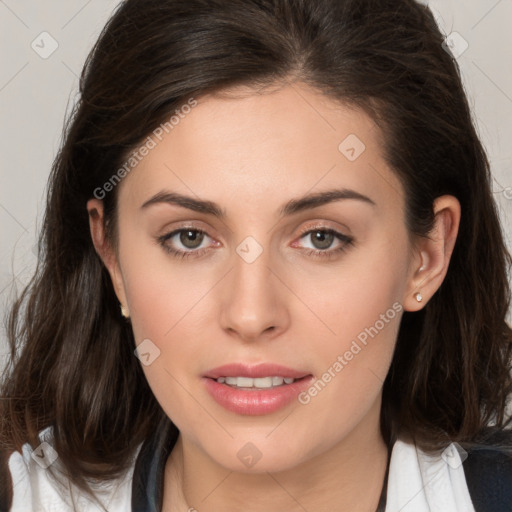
{"x": 104, "y": 249}
{"x": 432, "y": 254}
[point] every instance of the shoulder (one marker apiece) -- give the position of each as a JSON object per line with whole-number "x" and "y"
{"x": 488, "y": 471}
{"x": 473, "y": 476}
{"x": 37, "y": 483}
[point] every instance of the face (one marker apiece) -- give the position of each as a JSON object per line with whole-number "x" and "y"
{"x": 315, "y": 286}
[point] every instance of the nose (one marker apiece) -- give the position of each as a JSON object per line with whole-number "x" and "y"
{"x": 253, "y": 301}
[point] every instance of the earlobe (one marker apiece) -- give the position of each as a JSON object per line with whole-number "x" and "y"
{"x": 433, "y": 253}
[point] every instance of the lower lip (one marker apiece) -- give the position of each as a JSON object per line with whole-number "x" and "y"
{"x": 256, "y": 401}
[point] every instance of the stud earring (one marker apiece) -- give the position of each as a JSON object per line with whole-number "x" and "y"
{"x": 124, "y": 311}
{"x": 419, "y": 297}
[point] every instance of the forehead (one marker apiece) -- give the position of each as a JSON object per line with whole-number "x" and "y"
{"x": 289, "y": 139}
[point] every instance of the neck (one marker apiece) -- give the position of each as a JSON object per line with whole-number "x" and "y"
{"x": 347, "y": 477}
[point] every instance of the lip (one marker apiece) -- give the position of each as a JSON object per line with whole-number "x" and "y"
{"x": 254, "y": 402}
{"x": 254, "y": 371}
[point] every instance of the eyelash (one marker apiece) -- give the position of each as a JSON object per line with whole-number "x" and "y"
{"x": 328, "y": 254}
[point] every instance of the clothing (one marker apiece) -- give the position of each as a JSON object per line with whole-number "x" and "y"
{"x": 417, "y": 482}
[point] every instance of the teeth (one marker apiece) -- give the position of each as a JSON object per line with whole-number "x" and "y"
{"x": 260, "y": 382}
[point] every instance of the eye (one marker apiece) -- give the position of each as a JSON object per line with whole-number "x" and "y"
{"x": 322, "y": 240}
{"x": 187, "y": 242}
{"x": 190, "y": 239}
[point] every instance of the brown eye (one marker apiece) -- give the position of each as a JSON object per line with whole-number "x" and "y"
{"x": 184, "y": 242}
{"x": 321, "y": 239}
{"x": 191, "y": 238}
{"x": 325, "y": 242}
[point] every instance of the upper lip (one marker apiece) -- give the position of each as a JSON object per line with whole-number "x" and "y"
{"x": 254, "y": 371}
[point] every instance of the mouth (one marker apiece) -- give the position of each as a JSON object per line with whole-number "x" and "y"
{"x": 255, "y": 390}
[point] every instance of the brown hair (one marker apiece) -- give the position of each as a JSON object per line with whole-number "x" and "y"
{"x": 72, "y": 364}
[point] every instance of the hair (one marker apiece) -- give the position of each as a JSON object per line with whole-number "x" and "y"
{"x": 72, "y": 365}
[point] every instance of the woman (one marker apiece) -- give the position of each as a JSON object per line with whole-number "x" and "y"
{"x": 272, "y": 273}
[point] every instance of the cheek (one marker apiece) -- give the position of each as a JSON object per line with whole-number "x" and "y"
{"x": 360, "y": 294}
{"x": 352, "y": 355}
{"x": 166, "y": 310}
{"x": 161, "y": 291}
{"x": 358, "y": 314}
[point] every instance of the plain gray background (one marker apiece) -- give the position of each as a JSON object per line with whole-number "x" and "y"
{"x": 36, "y": 93}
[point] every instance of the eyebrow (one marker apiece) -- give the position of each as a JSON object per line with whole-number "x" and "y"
{"x": 293, "y": 206}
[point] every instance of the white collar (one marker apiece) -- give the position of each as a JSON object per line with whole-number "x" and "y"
{"x": 419, "y": 482}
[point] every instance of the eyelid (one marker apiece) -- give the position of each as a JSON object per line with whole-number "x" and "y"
{"x": 183, "y": 224}
{"x": 327, "y": 225}
{"x": 343, "y": 235}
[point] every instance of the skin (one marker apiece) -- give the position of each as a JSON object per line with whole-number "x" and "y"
{"x": 251, "y": 153}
